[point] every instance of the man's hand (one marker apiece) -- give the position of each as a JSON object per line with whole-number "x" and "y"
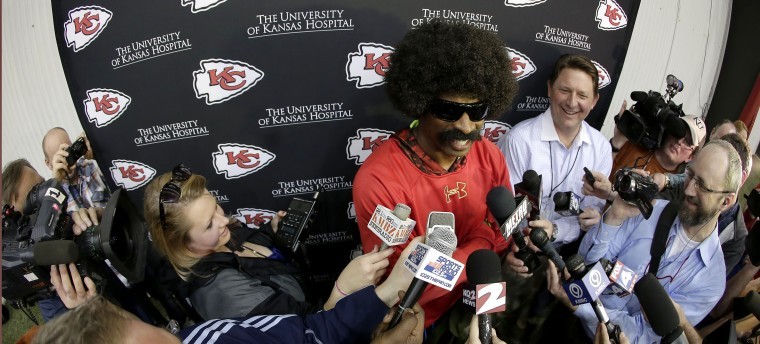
{"x": 474, "y": 337}
{"x": 602, "y": 187}
{"x": 72, "y": 294}
{"x": 61, "y": 170}
{"x": 89, "y": 154}
{"x": 659, "y": 179}
{"x": 409, "y": 330}
{"x": 546, "y": 225}
{"x": 589, "y": 218}
{"x": 276, "y": 220}
{"x": 554, "y": 285}
{"x": 84, "y": 218}
{"x": 515, "y": 264}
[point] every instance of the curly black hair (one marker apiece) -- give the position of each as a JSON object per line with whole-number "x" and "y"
{"x": 439, "y": 57}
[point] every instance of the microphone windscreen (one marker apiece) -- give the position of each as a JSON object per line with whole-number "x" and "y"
{"x": 54, "y": 252}
{"x": 560, "y": 200}
{"x": 483, "y": 267}
{"x": 501, "y": 203}
{"x": 538, "y": 237}
{"x": 576, "y": 266}
{"x": 638, "y": 96}
{"x": 530, "y": 179}
{"x": 443, "y": 240}
{"x": 657, "y": 305}
{"x": 402, "y": 211}
{"x": 440, "y": 218}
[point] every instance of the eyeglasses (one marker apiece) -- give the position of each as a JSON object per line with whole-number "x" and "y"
{"x": 171, "y": 191}
{"x": 453, "y": 111}
{"x": 699, "y": 183}
{"x": 684, "y": 144}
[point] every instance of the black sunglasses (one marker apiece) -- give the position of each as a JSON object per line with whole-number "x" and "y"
{"x": 452, "y": 111}
{"x": 171, "y": 191}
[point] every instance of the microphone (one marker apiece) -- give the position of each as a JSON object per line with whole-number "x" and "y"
{"x": 586, "y": 288}
{"x": 392, "y": 227}
{"x": 501, "y": 204}
{"x": 437, "y": 219}
{"x": 539, "y": 238}
{"x": 54, "y": 252}
{"x": 659, "y": 309}
{"x": 424, "y": 262}
{"x": 567, "y": 203}
{"x": 484, "y": 273}
{"x": 638, "y": 96}
{"x": 530, "y": 187}
{"x": 622, "y": 279}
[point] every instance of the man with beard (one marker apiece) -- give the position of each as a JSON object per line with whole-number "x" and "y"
{"x": 691, "y": 267}
{"x": 449, "y": 77}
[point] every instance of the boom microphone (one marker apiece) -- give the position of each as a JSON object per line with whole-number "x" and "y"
{"x": 442, "y": 240}
{"x": 484, "y": 271}
{"x": 54, "y": 252}
{"x": 659, "y": 309}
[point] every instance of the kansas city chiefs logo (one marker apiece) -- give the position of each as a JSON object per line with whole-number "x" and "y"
{"x": 84, "y": 25}
{"x": 221, "y": 80}
{"x": 494, "y": 130}
{"x": 131, "y": 174}
{"x": 610, "y": 16}
{"x": 103, "y": 105}
{"x": 364, "y": 143}
{"x": 351, "y": 211}
{"x": 201, "y": 5}
{"x": 254, "y": 218}
{"x": 368, "y": 65}
{"x": 604, "y": 76}
{"x": 522, "y": 3}
{"x": 522, "y": 65}
{"x": 236, "y": 160}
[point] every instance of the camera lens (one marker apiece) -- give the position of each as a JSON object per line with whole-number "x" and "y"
{"x": 627, "y": 184}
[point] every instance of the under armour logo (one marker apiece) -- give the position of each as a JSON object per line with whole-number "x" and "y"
{"x": 459, "y": 191}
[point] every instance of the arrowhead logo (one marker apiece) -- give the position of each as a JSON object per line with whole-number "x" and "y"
{"x": 237, "y": 160}
{"x": 201, "y": 5}
{"x": 522, "y": 3}
{"x": 522, "y": 65}
{"x": 368, "y": 66}
{"x": 220, "y": 80}
{"x": 610, "y": 16}
{"x": 364, "y": 143}
{"x": 131, "y": 174}
{"x": 604, "y": 76}
{"x": 84, "y": 25}
{"x": 103, "y": 105}
{"x": 494, "y": 130}
{"x": 254, "y": 218}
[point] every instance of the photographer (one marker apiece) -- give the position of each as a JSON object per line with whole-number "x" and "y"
{"x": 689, "y": 266}
{"x": 82, "y": 179}
{"x": 95, "y": 320}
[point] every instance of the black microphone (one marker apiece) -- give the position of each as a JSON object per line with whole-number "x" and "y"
{"x": 442, "y": 240}
{"x": 638, "y": 96}
{"x": 539, "y": 238}
{"x": 54, "y": 252}
{"x": 577, "y": 269}
{"x": 501, "y": 204}
{"x": 530, "y": 187}
{"x": 658, "y": 307}
{"x": 567, "y": 203}
{"x": 484, "y": 267}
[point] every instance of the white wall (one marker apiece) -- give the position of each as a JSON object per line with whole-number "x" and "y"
{"x": 685, "y": 38}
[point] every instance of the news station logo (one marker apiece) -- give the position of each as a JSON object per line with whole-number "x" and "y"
{"x": 522, "y": 65}
{"x": 418, "y": 255}
{"x": 237, "y": 160}
{"x": 201, "y": 5}
{"x": 254, "y": 218}
{"x": 494, "y": 130}
{"x": 103, "y": 105}
{"x": 131, "y": 174}
{"x": 220, "y": 80}
{"x": 610, "y": 16}
{"x": 604, "y": 76}
{"x": 368, "y": 66}
{"x": 364, "y": 143}
{"x": 523, "y": 3}
{"x": 444, "y": 268}
{"x": 84, "y": 25}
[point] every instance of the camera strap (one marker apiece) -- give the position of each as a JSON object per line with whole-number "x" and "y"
{"x": 659, "y": 241}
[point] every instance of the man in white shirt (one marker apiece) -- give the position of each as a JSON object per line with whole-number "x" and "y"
{"x": 558, "y": 144}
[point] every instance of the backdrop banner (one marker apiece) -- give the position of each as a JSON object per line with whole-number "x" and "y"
{"x": 270, "y": 100}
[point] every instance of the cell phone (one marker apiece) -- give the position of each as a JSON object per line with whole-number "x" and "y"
{"x": 589, "y": 177}
{"x": 299, "y": 218}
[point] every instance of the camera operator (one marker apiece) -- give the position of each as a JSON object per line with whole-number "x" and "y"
{"x": 82, "y": 181}
{"x": 95, "y": 320}
{"x": 690, "y": 270}
{"x": 669, "y": 157}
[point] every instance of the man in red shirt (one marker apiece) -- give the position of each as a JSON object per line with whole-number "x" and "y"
{"x": 449, "y": 77}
